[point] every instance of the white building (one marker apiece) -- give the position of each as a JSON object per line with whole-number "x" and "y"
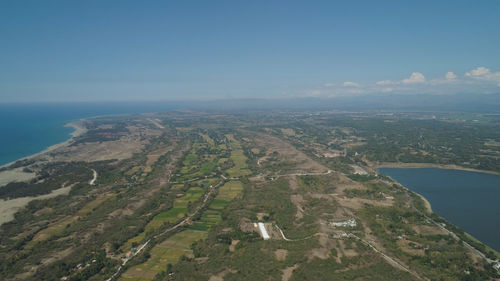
{"x": 348, "y": 223}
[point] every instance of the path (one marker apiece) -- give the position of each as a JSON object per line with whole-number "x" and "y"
{"x": 389, "y": 259}
{"x": 92, "y": 181}
{"x": 156, "y": 123}
{"x": 304, "y": 174}
{"x": 186, "y": 220}
{"x": 386, "y": 257}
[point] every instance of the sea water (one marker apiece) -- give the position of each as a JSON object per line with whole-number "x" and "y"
{"x": 26, "y": 129}
{"x": 469, "y": 200}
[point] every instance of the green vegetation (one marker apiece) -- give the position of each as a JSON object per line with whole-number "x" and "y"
{"x": 196, "y": 189}
{"x": 52, "y": 176}
{"x": 178, "y": 211}
{"x": 239, "y": 159}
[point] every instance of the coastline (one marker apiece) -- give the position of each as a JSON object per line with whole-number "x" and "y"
{"x": 377, "y": 165}
{"x": 79, "y": 130}
{"x": 427, "y": 204}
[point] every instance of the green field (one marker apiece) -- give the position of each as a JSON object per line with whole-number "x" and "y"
{"x": 212, "y": 216}
{"x": 169, "y": 251}
{"x": 208, "y": 139}
{"x": 239, "y": 159}
{"x": 178, "y": 211}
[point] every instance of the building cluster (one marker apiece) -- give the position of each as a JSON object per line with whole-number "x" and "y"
{"x": 348, "y": 223}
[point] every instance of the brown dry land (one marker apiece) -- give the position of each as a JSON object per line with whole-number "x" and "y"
{"x": 287, "y": 153}
{"x": 427, "y": 165}
{"x": 9, "y": 207}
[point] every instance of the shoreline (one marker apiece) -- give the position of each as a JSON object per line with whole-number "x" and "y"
{"x": 428, "y": 205}
{"x": 428, "y": 165}
{"x": 79, "y": 130}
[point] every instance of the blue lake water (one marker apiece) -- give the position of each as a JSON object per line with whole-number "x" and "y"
{"x": 26, "y": 129}
{"x": 469, "y": 200}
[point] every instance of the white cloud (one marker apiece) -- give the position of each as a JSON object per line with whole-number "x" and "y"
{"x": 484, "y": 74}
{"x": 480, "y": 80}
{"x": 350, "y": 84}
{"x": 480, "y": 71}
{"x": 450, "y": 76}
{"x": 384, "y": 82}
{"x": 416, "y": 77}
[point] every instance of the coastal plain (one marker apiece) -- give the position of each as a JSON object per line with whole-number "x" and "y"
{"x": 259, "y": 195}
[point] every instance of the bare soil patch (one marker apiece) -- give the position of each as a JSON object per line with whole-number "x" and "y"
{"x": 281, "y": 254}
{"x": 428, "y": 230}
{"x": 298, "y": 201}
{"x": 232, "y": 247}
{"x": 288, "y": 272}
{"x": 220, "y": 275}
{"x": 288, "y": 153}
{"x": 108, "y": 150}
{"x": 9, "y": 207}
{"x": 324, "y": 251}
{"x": 359, "y": 203}
{"x": 405, "y": 246}
{"x": 13, "y": 175}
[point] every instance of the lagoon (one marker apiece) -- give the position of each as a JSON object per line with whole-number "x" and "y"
{"x": 470, "y": 200}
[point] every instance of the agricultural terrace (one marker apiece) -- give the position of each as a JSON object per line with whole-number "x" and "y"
{"x": 239, "y": 159}
{"x": 167, "y": 252}
{"x": 178, "y": 245}
{"x": 212, "y": 215}
{"x": 208, "y": 139}
{"x": 201, "y": 161}
{"x": 179, "y": 210}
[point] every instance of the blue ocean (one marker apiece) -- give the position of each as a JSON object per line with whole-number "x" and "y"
{"x": 26, "y": 129}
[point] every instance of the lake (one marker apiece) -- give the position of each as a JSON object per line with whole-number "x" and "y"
{"x": 470, "y": 200}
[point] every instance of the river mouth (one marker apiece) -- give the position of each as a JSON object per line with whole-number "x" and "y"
{"x": 470, "y": 200}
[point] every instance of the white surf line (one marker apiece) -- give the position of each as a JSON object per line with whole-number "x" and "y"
{"x": 92, "y": 181}
{"x": 263, "y": 230}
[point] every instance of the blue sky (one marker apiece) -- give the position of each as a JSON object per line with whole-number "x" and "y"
{"x": 174, "y": 50}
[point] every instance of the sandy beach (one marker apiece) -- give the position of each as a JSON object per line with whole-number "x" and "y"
{"x": 18, "y": 174}
{"x": 9, "y": 207}
{"x": 79, "y": 130}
